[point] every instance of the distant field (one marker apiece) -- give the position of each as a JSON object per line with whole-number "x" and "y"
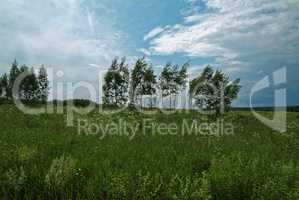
{"x": 41, "y": 158}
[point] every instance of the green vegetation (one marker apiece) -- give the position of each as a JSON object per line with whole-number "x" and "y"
{"x": 211, "y": 90}
{"x": 173, "y": 80}
{"x": 214, "y": 91}
{"x": 41, "y": 158}
{"x": 152, "y": 155}
{"x": 25, "y": 85}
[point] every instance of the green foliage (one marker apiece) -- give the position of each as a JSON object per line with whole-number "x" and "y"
{"x": 13, "y": 74}
{"x": 254, "y": 163}
{"x": 212, "y": 90}
{"x": 142, "y": 82}
{"x": 32, "y": 88}
{"x": 293, "y": 194}
{"x": 4, "y": 86}
{"x": 197, "y": 188}
{"x": 61, "y": 173}
{"x": 271, "y": 190}
{"x": 149, "y": 84}
{"x": 166, "y": 79}
{"x": 148, "y": 186}
{"x": 43, "y": 84}
{"x": 116, "y": 84}
{"x": 119, "y": 186}
{"x": 13, "y": 182}
{"x": 138, "y": 76}
{"x": 173, "y": 80}
{"x": 25, "y": 153}
{"x": 29, "y": 87}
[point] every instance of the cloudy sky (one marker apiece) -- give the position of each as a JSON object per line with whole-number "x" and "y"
{"x": 249, "y": 39}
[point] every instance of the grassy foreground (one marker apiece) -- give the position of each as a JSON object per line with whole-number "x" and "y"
{"x": 41, "y": 158}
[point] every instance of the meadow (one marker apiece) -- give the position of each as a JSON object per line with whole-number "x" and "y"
{"x": 42, "y": 158}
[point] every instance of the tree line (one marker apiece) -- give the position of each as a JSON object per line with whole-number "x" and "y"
{"x": 33, "y": 88}
{"x": 122, "y": 86}
{"x": 211, "y": 90}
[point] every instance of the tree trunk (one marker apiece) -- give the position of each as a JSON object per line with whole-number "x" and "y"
{"x": 151, "y": 101}
{"x": 174, "y": 102}
{"x": 170, "y": 102}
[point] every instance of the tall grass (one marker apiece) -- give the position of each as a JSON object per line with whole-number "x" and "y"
{"x": 41, "y": 158}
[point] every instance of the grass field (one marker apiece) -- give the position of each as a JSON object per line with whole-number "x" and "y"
{"x": 41, "y": 158}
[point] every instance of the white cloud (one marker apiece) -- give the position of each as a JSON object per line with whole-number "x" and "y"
{"x": 153, "y": 33}
{"x": 232, "y": 31}
{"x": 55, "y": 32}
{"x": 145, "y": 51}
{"x": 62, "y": 34}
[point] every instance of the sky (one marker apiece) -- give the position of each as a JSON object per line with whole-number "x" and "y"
{"x": 248, "y": 39}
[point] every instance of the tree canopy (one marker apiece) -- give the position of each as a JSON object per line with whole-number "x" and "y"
{"x": 213, "y": 90}
{"x": 33, "y": 88}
